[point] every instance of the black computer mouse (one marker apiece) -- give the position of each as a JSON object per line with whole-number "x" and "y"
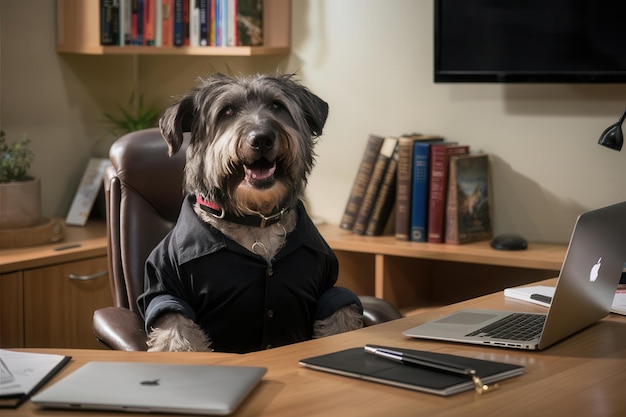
{"x": 509, "y": 241}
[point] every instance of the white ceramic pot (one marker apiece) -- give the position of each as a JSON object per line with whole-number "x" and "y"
{"x": 20, "y": 204}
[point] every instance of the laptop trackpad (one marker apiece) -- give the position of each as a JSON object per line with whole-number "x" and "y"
{"x": 467, "y": 318}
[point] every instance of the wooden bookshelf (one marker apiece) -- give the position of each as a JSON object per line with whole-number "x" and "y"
{"x": 78, "y": 32}
{"x": 415, "y": 276}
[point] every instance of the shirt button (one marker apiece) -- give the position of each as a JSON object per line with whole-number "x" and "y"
{"x": 270, "y": 313}
{"x": 269, "y": 347}
{"x": 270, "y": 272}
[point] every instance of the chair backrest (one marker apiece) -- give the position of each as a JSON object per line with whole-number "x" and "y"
{"x": 144, "y": 192}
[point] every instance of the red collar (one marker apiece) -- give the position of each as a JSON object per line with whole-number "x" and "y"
{"x": 255, "y": 220}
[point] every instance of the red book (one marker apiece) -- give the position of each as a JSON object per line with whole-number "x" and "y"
{"x": 167, "y": 31}
{"x": 149, "y": 22}
{"x": 438, "y": 186}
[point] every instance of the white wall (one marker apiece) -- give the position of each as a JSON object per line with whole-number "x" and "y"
{"x": 371, "y": 60}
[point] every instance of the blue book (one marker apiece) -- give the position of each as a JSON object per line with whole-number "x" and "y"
{"x": 419, "y": 191}
{"x": 179, "y": 30}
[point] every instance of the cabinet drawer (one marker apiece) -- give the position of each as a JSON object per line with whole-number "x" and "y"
{"x": 59, "y": 302}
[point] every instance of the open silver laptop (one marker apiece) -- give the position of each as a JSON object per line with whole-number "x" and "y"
{"x": 153, "y": 388}
{"x": 584, "y": 292}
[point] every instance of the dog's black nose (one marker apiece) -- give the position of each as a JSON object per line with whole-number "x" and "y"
{"x": 261, "y": 141}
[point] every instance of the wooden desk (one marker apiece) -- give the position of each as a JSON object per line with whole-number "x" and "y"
{"x": 584, "y": 375}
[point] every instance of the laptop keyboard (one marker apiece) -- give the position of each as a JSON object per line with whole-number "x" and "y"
{"x": 515, "y": 326}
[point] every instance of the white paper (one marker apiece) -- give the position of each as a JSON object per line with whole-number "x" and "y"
{"x": 22, "y": 371}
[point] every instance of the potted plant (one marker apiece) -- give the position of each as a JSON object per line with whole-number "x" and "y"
{"x": 20, "y": 193}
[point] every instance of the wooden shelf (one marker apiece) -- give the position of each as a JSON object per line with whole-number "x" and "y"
{"x": 78, "y": 32}
{"x": 416, "y": 276}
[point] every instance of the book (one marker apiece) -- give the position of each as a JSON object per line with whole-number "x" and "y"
{"x": 355, "y": 363}
{"x": 468, "y": 209}
{"x": 109, "y": 22}
{"x": 372, "y": 149}
{"x": 167, "y": 23}
{"x": 22, "y": 374}
{"x": 194, "y": 22}
{"x": 542, "y": 295}
{"x": 404, "y": 187}
{"x": 420, "y": 191}
{"x": 373, "y": 185}
{"x": 249, "y": 23}
{"x": 177, "y": 23}
{"x": 149, "y": 22}
{"x": 204, "y": 22}
{"x": 125, "y": 22}
{"x": 385, "y": 198}
{"x": 438, "y": 188}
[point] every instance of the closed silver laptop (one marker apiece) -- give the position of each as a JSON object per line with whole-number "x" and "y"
{"x": 153, "y": 388}
{"x": 583, "y": 295}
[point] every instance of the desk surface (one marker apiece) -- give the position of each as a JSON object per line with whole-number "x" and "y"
{"x": 584, "y": 375}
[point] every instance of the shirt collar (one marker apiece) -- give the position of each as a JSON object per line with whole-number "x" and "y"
{"x": 195, "y": 238}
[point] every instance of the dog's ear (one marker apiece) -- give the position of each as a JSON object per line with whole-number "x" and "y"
{"x": 315, "y": 112}
{"x": 176, "y": 120}
{"x": 314, "y": 108}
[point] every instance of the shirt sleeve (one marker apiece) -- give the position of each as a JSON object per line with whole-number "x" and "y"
{"x": 163, "y": 289}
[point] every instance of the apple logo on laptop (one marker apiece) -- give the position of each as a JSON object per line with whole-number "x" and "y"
{"x": 593, "y": 274}
{"x": 151, "y": 383}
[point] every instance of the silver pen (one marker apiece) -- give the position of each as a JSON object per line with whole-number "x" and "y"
{"x": 412, "y": 359}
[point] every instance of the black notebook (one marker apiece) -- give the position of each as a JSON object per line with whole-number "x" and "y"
{"x": 356, "y": 363}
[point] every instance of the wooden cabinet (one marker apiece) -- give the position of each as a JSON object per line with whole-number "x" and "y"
{"x": 48, "y": 293}
{"x": 78, "y": 31}
{"x": 415, "y": 276}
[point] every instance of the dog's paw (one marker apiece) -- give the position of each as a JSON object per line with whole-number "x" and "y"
{"x": 175, "y": 333}
{"x": 343, "y": 320}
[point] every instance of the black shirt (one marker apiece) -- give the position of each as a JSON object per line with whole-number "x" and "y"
{"x": 242, "y": 303}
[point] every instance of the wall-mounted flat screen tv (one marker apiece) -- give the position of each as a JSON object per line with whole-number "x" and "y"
{"x": 509, "y": 41}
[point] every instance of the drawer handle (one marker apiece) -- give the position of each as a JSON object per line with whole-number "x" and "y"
{"x": 87, "y": 277}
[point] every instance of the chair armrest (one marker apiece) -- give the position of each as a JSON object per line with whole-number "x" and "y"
{"x": 120, "y": 329}
{"x": 377, "y": 310}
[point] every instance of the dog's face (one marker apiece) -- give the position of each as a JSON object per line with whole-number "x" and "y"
{"x": 252, "y": 140}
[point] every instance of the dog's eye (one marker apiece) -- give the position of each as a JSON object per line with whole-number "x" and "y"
{"x": 227, "y": 112}
{"x": 277, "y": 106}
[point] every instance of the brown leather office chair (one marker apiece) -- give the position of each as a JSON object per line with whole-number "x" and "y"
{"x": 143, "y": 191}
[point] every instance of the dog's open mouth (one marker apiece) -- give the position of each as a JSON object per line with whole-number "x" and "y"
{"x": 260, "y": 173}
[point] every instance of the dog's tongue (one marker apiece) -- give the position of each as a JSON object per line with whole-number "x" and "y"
{"x": 259, "y": 171}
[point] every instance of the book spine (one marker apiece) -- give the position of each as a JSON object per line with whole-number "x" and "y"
{"x": 194, "y": 23}
{"x": 452, "y": 205}
{"x": 186, "y": 21}
{"x": 178, "y": 23}
{"x": 158, "y": 23}
{"x": 149, "y": 21}
{"x": 419, "y": 192}
{"x": 403, "y": 188}
{"x": 167, "y": 34}
{"x": 204, "y": 22}
{"x": 109, "y": 22}
{"x": 125, "y": 20}
{"x": 373, "y": 186}
{"x": 232, "y": 23}
{"x": 140, "y": 22}
{"x": 212, "y": 22}
{"x": 372, "y": 149}
{"x": 439, "y": 156}
{"x": 385, "y": 199}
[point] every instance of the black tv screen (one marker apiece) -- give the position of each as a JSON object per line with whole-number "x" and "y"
{"x": 567, "y": 41}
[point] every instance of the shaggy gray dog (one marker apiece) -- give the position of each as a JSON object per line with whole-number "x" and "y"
{"x": 250, "y": 153}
